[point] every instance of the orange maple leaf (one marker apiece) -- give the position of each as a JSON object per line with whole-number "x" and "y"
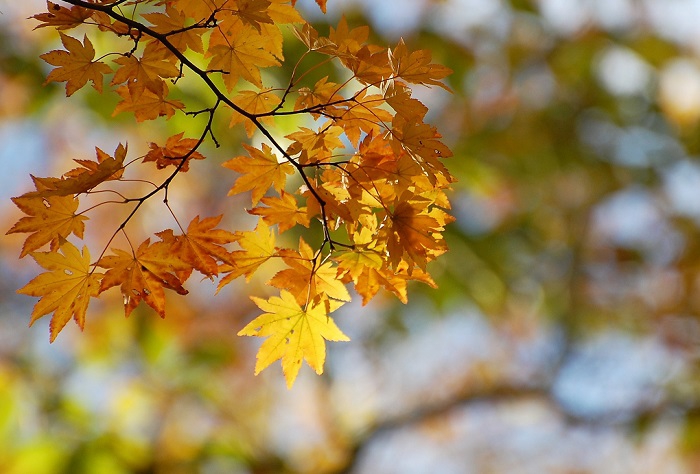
{"x": 307, "y": 280}
{"x": 416, "y": 68}
{"x": 174, "y": 21}
{"x": 61, "y": 17}
{"x": 175, "y": 150}
{"x": 149, "y": 104}
{"x": 75, "y": 66}
{"x": 239, "y": 50}
{"x": 415, "y": 230}
{"x": 144, "y": 275}
{"x": 49, "y": 219}
{"x": 202, "y": 245}
{"x": 315, "y": 147}
{"x": 146, "y": 71}
{"x": 253, "y": 12}
{"x": 260, "y": 171}
{"x": 256, "y": 103}
{"x": 65, "y": 290}
{"x": 294, "y": 334}
{"x": 85, "y": 178}
{"x": 283, "y": 211}
{"x": 199, "y": 10}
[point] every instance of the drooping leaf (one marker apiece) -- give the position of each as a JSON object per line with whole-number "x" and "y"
{"x": 294, "y": 334}
{"x": 65, "y": 290}
{"x": 85, "y": 178}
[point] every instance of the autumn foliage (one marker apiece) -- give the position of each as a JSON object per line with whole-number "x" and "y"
{"x": 372, "y": 179}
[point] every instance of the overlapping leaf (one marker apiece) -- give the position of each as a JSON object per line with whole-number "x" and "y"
{"x": 259, "y": 171}
{"x": 48, "y": 220}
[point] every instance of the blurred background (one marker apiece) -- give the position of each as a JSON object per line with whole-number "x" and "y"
{"x": 564, "y": 334}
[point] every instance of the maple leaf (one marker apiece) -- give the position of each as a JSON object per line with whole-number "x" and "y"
{"x": 239, "y": 51}
{"x": 173, "y": 21}
{"x": 281, "y": 12}
{"x": 307, "y": 280}
{"x": 144, "y": 275}
{"x": 75, "y": 66}
{"x": 399, "y": 98}
{"x": 416, "y": 68}
{"x": 282, "y": 211}
{"x": 253, "y": 12}
{"x": 322, "y": 93}
{"x": 415, "y": 230}
{"x": 48, "y": 220}
{"x": 370, "y": 280}
{"x": 258, "y": 247}
{"x": 65, "y": 290}
{"x": 256, "y": 103}
{"x": 199, "y": 10}
{"x": 363, "y": 115}
{"x": 85, "y": 178}
{"x": 61, "y": 17}
{"x": 149, "y": 105}
{"x": 175, "y": 150}
{"x": 202, "y": 245}
{"x": 294, "y": 334}
{"x": 315, "y": 146}
{"x": 144, "y": 72}
{"x": 259, "y": 171}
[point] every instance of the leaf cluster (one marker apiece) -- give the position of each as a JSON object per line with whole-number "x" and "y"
{"x": 370, "y": 168}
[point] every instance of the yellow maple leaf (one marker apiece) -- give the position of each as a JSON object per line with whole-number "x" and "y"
{"x": 75, "y": 66}
{"x": 65, "y": 290}
{"x": 294, "y": 334}
{"x": 315, "y": 147}
{"x": 49, "y": 219}
{"x": 258, "y": 247}
{"x": 258, "y": 171}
